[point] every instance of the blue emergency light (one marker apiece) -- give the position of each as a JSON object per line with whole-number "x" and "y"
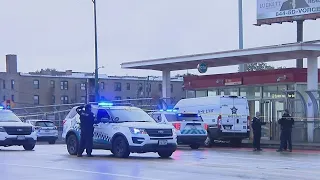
{"x": 105, "y": 104}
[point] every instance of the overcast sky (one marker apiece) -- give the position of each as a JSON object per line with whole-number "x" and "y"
{"x": 59, "y": 33}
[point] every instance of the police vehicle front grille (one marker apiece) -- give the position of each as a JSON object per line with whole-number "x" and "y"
{"x": 18, "y": 130}
{"x": 159, "y": 132}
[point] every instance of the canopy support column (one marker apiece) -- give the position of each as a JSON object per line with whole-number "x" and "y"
{"x": 312, "y": 85}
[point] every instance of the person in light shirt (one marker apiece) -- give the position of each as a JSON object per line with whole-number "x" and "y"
{"x": 293, "y": 4}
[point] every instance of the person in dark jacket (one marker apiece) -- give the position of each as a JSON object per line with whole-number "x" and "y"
{"x": 256, "y": 127}
{"x": 86, "y": 126}
{"x": 286, "y": 123}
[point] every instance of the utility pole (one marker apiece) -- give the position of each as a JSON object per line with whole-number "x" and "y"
{"x": 96, "y": 74}
{"x": 299, "y": 62}
{"x": 242, "y": 67}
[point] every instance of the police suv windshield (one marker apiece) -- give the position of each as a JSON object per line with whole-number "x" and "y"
{"x": 8, "y": 116}
{"x": 183, "y": 117}
{"x": 131, "y": 115}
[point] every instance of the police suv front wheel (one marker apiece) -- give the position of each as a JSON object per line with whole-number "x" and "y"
{"x": 29, "y": 147}
{"x": 72, "y": 144}
{"x": 165, "y": 154}
{"x": 120, "y": 147}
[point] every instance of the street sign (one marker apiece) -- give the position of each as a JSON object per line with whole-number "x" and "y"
{"x": 202, "y": 68}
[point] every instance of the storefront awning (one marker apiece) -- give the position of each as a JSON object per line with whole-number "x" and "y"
{"x": 228, "y": 58}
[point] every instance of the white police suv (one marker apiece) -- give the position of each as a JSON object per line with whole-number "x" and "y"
{"x": 190, "y": 128}
{"x": 14, "y": 132}
{"x": 123, "y": 130}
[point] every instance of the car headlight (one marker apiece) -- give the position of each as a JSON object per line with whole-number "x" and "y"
{"x": 2, "y": 129}
{"x": 138, "y": 131}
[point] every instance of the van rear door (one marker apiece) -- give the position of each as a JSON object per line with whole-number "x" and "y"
{"x": 241, "y": 111}
{"x": 234, "y": 114}
{"x": 227, "y": 120}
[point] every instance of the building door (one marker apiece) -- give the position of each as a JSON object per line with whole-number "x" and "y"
{"x": 271, "y": 112}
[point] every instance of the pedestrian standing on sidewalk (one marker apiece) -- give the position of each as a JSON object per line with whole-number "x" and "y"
{"x": 256, "y": 127}
{"x": 286, "y": 123}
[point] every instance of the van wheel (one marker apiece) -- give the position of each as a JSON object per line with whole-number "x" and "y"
{"x": 195, "y": 146}
{"x": 235, "y": 142}
{"x": 72, "y": 144}
{"x": 120, "y": 147}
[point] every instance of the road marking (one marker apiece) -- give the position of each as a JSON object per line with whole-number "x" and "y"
{"x": 81, "y": 171}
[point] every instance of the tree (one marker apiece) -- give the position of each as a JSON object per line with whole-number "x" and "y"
{"x": 261, "y": 66}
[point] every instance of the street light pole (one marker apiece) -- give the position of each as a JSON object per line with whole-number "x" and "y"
{"x": 96, "y": 78}
{"x": 242, "y": 67}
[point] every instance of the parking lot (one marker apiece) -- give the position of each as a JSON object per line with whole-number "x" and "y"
{"x": 52, "y": 162}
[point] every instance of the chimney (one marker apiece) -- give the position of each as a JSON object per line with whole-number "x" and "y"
{"x": 69, "y": 72}
{"x": 11, "y": 64}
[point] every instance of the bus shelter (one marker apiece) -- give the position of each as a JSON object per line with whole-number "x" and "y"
{"x": 309, "y": 50}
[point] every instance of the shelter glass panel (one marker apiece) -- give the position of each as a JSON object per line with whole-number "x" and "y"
{"x": 251, "y": 92}
{"x": 203, "y": 93}
{"x": 230, "y": 91}
{"x": 191, "y": 94}
{"x": 213, "y": 92}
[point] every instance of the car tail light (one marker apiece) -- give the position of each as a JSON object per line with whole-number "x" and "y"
{"x": 219, "y": 122}
{"x": 206, "y": 126}
{"x": 177, "y": 126}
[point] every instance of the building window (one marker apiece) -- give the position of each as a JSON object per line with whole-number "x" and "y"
{"x": 64, "y": 100}
{"x": 4, "y": 98}
{"x": 101, "y": 85}
{"x": 12, "y": 84}
{"x": 64, "y": 85}
{"x": 35, "y": 99}
{"x": 12, "y": 98}
{"x": 36, "y": 84}
{"x": 160, "y": 87}
{"x": 117, "y": 86}
{"x": 83, "y": 99}
{"x": 53, "y": 100}
{"x": 117, "y": 98}
{"x": 140, "y": 87}
{"x": 128, "y": 86}
{"x": 4, "y": 84}
{"x": 148, "y": 88}
{"x": 52, "y": 84}
{"x": 171, "y": 87}
{"x": 83, "y": 86}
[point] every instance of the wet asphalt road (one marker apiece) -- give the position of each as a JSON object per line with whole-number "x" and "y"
{"x": 52, "y": 162}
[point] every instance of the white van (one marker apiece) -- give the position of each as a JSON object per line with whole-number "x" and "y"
{"x": 227, "y": 116}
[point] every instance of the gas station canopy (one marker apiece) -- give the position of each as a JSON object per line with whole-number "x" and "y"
{"x": 233, "y": 57}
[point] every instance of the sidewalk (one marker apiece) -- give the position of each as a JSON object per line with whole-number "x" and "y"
{"x": 275, "y": 145}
